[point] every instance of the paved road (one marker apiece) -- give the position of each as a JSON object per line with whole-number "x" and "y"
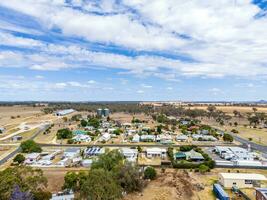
{"x": 125, "y": 145}
{"x": 18, "y": 149}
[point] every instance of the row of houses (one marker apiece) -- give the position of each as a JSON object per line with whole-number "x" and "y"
{"x": 196, "y": 137}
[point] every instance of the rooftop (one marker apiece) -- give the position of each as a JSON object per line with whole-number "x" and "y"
{"x": 244, "y": 176}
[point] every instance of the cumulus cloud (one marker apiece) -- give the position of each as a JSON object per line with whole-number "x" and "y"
{"x": 216, "y": 38}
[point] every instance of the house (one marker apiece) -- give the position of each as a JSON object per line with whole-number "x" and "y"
{"x": 64, "y": 112}
{"x": 129, "y": 154}
{"x": 2, "y": 129}
{"x": 156, "y": 152}
{"x": 16, "y": 138}
{"x": 89, "y": 128}
{"x": 241, "y": 180}
{"x": 179, "y": 156}
{"x": 181, "y": 138}
{"x": 82, "y": 138}
{"x": 105, "y": 137}
{"x": 148, "y": 138}
{"x": 194, "y": 156}
{"x": 126, "y": 125}
{"x": 200, "y": 137}
{"x": 66, "y": 195}
{"x": 79, "y": 132}
{"x": 130, "y": 132}
{"x": 71, "y": 153}
{"x": 164, "y": 138}
{"x": 136, "y": 138}
{"x": 261, "y": 193}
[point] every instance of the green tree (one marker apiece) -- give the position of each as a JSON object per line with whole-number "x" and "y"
{"x": 83, "y": 123}
{"x": 117, "y": 131}
{"x": 94, "y": 122}
{"x": 108, "y": 161}
{"x": 227, "y": 137}
{"x": 19, "y": 158}
{"x": 100, "y": 185}
{"x": 128, "y": 176}
{"x": 74, "y": 180}
{"x": 64, "y": 133}
{"x": 150, "y": 173}
{"x": 27, "y": 178}
{"x": 29, "y": 146}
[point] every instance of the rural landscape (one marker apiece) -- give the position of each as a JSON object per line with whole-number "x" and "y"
{"x": 133, "y": 100}
{"x": 142, "y": 150}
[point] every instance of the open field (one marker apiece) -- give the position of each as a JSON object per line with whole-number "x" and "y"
{"x": 18, "y": 112}
{"x": 257, "y": 135}
{"x": 126, "y": 118}
{"x": 230, "y": 109}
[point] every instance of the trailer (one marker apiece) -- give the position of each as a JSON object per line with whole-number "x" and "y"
{"x": 220, "y": 193}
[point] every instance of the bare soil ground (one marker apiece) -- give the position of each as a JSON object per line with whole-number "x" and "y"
{"x": 183, "y": 184}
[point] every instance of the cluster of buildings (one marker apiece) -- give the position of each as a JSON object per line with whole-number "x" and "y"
{"x": 237, "y": 156}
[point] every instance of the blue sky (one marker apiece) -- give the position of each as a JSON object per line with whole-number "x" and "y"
{"x": 101, "y": 50}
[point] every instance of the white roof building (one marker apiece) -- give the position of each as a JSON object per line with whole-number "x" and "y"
{"x": 203, "y": 137}
{"x": 129, "y": 154}
{"x": 71, "y": 153}
{"x": 63, "y": 196}
{"x": 136, "y": 138}
{"x": 64, "y": 112}
{"x": 146, "y": 138}
{"x": 156, "y": 152}
{"x": 181, "y": 138}
{"x": 241, "y": 180}
{"x": 105, "y": 137}
{"x": 82, "y": 138}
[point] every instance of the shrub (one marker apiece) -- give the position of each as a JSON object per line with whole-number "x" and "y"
{"x": 203, "y": 168}
{"x": 19, "y": 158}
{"x": 227, "y": 137}
{"x": 150, "y": 173}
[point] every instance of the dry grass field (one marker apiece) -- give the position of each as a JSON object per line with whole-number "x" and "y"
{"x": 230, "y": 109}
{"x": 55, "y": 177}
{"x": 257, "y": 135}
{"x": 126, "y": 118}
{"x": 18, "y": 112}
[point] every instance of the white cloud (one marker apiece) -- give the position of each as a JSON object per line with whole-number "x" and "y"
{"x": 140, "y": 91}
{"x": 91, "y": 81}
{"x": 39, "y": 77}
{"x": 146, "y": 86}
{"x": 225, "y": 39}
{"x": 169, "y": 88}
